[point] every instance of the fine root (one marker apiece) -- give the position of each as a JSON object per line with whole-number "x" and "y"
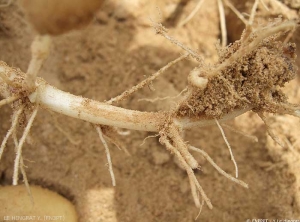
{"x": 20, "y": 145}
{"x": 63, "y": 131}
{"x": 112, "y": 175}
{"x": 8, "y": 100}
{"x": 229, "y": 148}
{"x": 193, "y": 180}
{"x": 251, "y": 137}
{"x": 181, "y": 146}
{"x": 11, "y": 130}
{"x": 145, "y": 82}
{"x": 111, "y": 134}
{"x": 285, "y": 10}
{"x": 210, "y": 160}
{"x": 269, "y": 130}
{"x": 236, "y": 12}
{"x": 163, "y": 98}
{"x": 161, "y": 30}
{"x": 192, "y": 14}
{"x": 25, "y": 179}
{"x": 253, "y": 13}
{"x": 264, "y": 5}
{"x": 148, "y": 137}
{"x": 22, "y": 168}
{"x": 291, "y": 147}
{"x": 222, "y": 16}
{"x": 118, "y": 144}
{"x": 222, "y": 23}
{"x": 200, "y": 210}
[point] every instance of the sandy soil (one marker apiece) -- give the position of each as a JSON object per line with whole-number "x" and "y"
{"x": 116, "y": 51}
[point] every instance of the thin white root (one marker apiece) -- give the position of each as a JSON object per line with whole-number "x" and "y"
{"x": 238, "y": 14}
{"x": 210, "y": 160}
{"x": 40, "y": 49}
{"x": 161, "y": 30}
{"x": 118, "y": 145}
{"x": 22, "y": 165}
{"x": 112, "y": 175}
{"x": 291, "y": 147}
{"x": 148, "y": 137}
{"x": 190, "y": 173}
{"x": 289, "y": 36}
{"x": 25, "y": 179}
{"x": 229, "y": 147}
{"x": 285, "y": 10}
{"x": 182, "y": 147}
{"x": 67, "y": 135}
{"x": 64, "y": 132}
{"x": 20, "y": 145}
{"x": 253, "y": 13}
{"x": 200, "y": 210}
{"x": 264, "y": 5}
{"x": 222, "y": 23}
{"x": 192, "y": 14}
{"x": 163, "y": 98}
{"x": 253, "y": 138}
{"x": 146, "y": 81}
{"x": 194, "y": 192}
{"x": 11, "y": 130}
{"x": 111, "y": 133}
{"x": 269, "y": 130}
{"x": 8, "y": 100}
{"x": 156, "y": 99}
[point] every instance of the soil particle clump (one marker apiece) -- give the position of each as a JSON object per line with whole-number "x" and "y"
{"x": 253, "y": 80}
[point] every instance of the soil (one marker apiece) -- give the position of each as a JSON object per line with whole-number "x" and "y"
{"x": 116, "y": 51}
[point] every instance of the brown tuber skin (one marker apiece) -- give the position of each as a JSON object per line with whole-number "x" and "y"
{"x": 55, "y": 17}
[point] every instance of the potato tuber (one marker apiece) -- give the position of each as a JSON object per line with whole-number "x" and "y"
{"x": 46, "y": 205}
{"x": 55, "y": 17}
